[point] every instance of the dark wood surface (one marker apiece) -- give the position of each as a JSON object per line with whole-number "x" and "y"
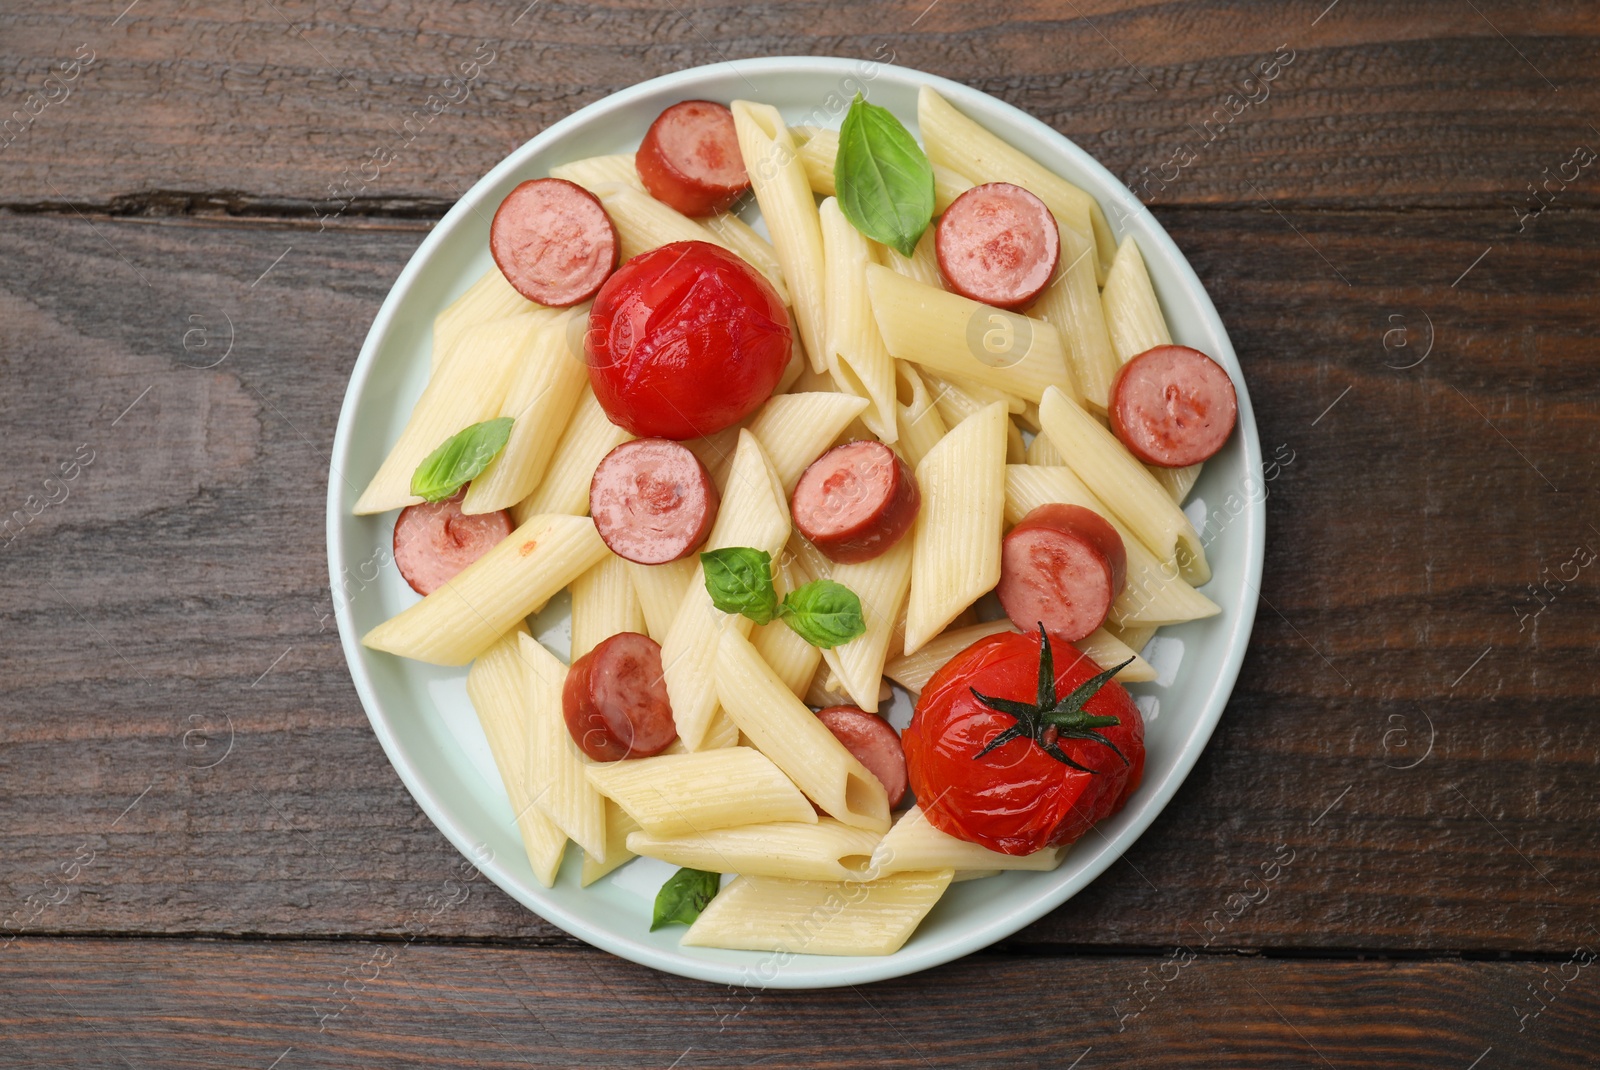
{"x": 200, "y": 839}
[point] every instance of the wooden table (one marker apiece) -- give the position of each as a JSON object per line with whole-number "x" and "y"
{"x": 207, "y": 860}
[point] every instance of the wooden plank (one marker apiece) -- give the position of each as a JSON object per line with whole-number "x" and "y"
{"x": 298, "y": 107}
{"x": 191, "y": 1003}
{"x": 177, "y": 599}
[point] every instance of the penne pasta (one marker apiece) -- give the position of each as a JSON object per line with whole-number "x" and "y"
{"x": 593, "y": 171}
{"x": 818, "y": 917}
{"x": 882, "y": 585}
{"x": 460, "y": 620}
{"x": 796, "y": 429}
{"x": 782, "y": 728}
{"x": 914, "y": 845}
{"x": 1106, "y": 650}
{"x": 497, "y": 686}
{"x": 951, "y": 335}
{"x": 1123, "y": 484}
{"x": 1072, "y": 304}
{"x": 913, "y": 671}
{"x": 1133, "y": 636}
{"x": 957, "y": 399}
{"x": 956, "y": 552}
{"x": 780, "y": 646}
{"x": 468, "y": 387}
{"x": 916, "y": 414}
{"x": 604, "y": 603}
{"x": 735, "y": 234}
{"x": 754, "y": 513}
{"x": 660, "y": 590}
{"x": 619, "y": 826}
{"x": 556, "y": 767}
{"x": 1154, "y": 593}
{"x": 1042, "y": 452}
{"x": 922, "y": 265}
{"x": 827, "y": 850}
{"x": 1133, "y": 315}
{"x": 956, "y": 142}
{"x": 674, "y": 795}
{"x": 542, "y": 394}
{"x": 779, "y": 180}
{"x": 1177, "y": 482}
{"x": 588, "y": 436}
{"x": 854, "y": 350}
{"x": 490, "y": 298}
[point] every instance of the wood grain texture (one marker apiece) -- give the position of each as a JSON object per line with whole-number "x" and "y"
{"x": 300, "y": 107}
{"x": 186, "y": 1003}
{"x": 168, "y": 643}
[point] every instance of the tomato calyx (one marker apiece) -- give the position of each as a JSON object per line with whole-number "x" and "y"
{"x": 1048, "y": 720}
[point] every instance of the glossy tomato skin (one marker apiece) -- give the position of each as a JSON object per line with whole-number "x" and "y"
{"x": 685, "y": 340}
{"x": 1016, "y": 799}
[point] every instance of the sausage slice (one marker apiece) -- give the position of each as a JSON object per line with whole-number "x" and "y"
{"x": 435, "y": 540}
{"x": 615, "y": 700}
{"x": 1062, "y": 566}
{"x": 1173, "y": 406}
{"x": 998, "y": 243}
{"x": 652, "y": 501}
{"x": 874, "y": 744}
{"x": 690, "y": 159}
{"x": 856, "y": 501}
{"x": 553, "y": 242}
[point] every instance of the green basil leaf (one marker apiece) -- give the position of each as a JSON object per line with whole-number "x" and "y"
{"x": 683, "y": 897}
{"x": 883, "y": 179}
{"x": 739, "y": 580}
{"x": 823, "y": 613}
{"x": 464, "y": 455}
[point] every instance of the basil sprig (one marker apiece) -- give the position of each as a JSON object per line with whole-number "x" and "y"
{"x": 823, "y": 613}
{"x": 463, "y": 455}
{"x": 683, "y": 897}
{"x": 883, "y": 179}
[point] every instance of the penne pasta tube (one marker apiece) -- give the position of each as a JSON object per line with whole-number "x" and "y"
{"x": 922, "y": 265}
{"x": 1122, "y": 483}
{"x": 486, "y": 599}
{"x": 604, "y": 603}
{"x": 588, "y": 436}
{"x": 951, "y": 335}
{"x": 594, "y": 171}
{"x": 735, "y": 234}
{"x": 468, "y": 387}
{"x": 956, "y": 552}
{"x": 780, "y": 646}
{"x": 1072, "y": 304}
{"x": 490, "y": 298}
{"x": 674, "y": 795}
{"x": 796, "y": 429}
{"x": 1177, "y": 482}
{"x": 497, "y": 686}
{"x": 818, "y": 917}
{"x": 619, "y": 826}
{"x": 956, "y": 142}
{"x": 854, "y": 350}
{"x": 1042, "y": 452}
{"x": 779, "y": 180}
{"x": 660, "y": 590}
{"x": 827, "y": 850}
{"x": 916, "y": 414}
{"x": 1133, "y": 636}
{"x": 1133, "y": 315}
{"x": 543, "y": 392}
{"x": 1154, "y": 593}
{"x": 556, "y": 767}
{"x": 914, "y": 845}
{"x": 957, "y": 399}
{"x": 1106, "y": 650}
{"x": 785, "y": 730}
{"x": 913, "y": 671}
{"x": 754, "y": 513}
{"x": 882, "y": 585}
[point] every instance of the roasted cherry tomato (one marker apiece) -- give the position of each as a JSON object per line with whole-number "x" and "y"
{"x": 1008, "y": 751}
{"x": 685, "y": 340}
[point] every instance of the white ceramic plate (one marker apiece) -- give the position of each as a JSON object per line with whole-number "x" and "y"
{"x": 421, "y": 715}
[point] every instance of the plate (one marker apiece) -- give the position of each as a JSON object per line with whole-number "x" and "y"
{"x": 421, "y": 715}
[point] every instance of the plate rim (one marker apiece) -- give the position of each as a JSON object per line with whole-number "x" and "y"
{"x": 855, "y": 970}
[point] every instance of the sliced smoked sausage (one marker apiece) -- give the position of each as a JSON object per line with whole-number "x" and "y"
{"x": 690, "y": 158}
{"x": 1062, "y": 566}
{"x": 615, "y": 700}
{"x": 652, "y": 501}
{"x": 1173, "y": 406}
{"x": 874, "y": 744}
{"x": 998, "y": 243}
{"x": 435, "y": 540}
{"x": 856, "y": 501}
{"x": 553, "y": 242}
